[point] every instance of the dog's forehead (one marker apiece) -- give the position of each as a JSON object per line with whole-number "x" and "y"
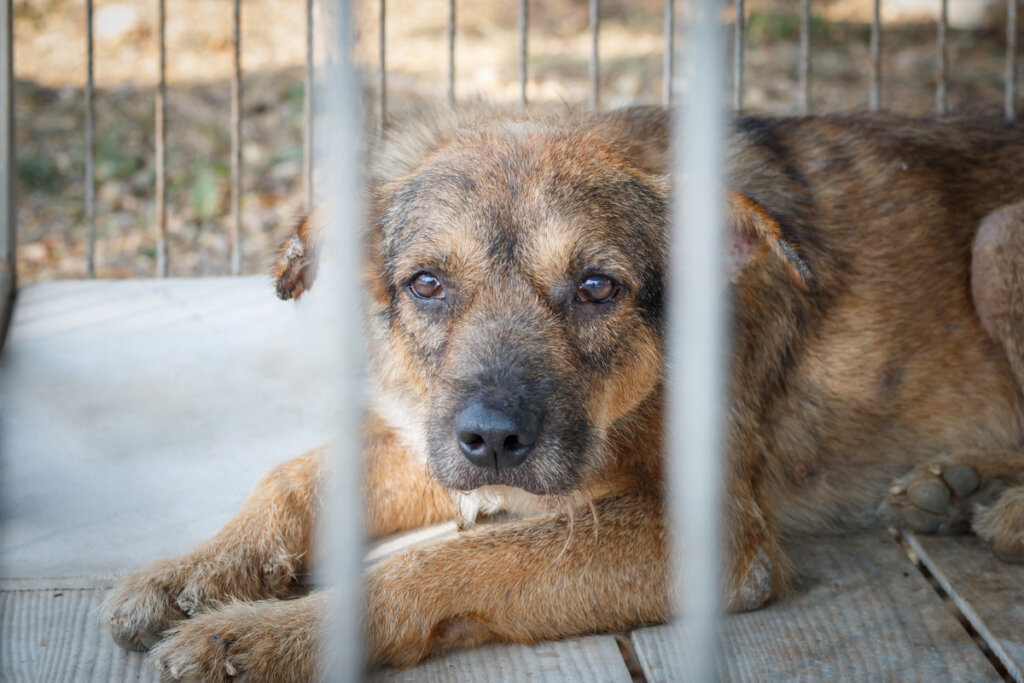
{"x": 521, "y": 191}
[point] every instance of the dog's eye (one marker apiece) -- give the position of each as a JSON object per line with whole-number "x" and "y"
{"x": 597, "y": 289}
{"x": 426, "y": 286}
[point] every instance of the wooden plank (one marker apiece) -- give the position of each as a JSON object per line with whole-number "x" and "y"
{"x": 990, "y": 593}
{"x": 595, "y": 658}
{"x": 861, "y": 611}
{"x": 56, "y": 635}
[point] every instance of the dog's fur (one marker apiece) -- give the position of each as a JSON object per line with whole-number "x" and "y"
{"x": 877, "y": 275}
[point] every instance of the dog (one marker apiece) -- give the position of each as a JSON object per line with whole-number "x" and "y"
{"x": 515, "y": 291}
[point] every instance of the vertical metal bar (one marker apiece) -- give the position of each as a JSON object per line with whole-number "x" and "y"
{"x": 8, "y": 214}
{"x": 382, "y": 71}
{"x": 342, "y": 351}
{"x": 940, "y": 86}
{"x": 1010, "y": 103}
{"x": 236, "y": 140}
{"x": 161, "y": 144}
{"x": 696, "y": 343}
{"x": 737, "y": 56}
{"x": 524, "y": 21}
{"x": 595, "y": 75}
{"x": 451, "y": 52}
{"x": 668, "y": 54}
{"x": 875, "y": 93}
{"x": 90, "y": 148}
{"x": 307, "y": 111}
{"x": 805, "y": 56}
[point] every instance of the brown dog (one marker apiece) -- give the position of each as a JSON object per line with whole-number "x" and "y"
{"x": 515, "y": 287}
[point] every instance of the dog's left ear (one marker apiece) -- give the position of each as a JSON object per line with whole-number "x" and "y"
{"x": 753, "y": 233}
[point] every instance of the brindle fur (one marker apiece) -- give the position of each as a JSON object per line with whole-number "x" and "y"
{"x": 866, "y": 348}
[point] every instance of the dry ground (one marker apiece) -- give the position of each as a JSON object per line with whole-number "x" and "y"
{"x": 50, "y": 49}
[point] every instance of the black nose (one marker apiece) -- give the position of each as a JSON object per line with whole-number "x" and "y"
{"x": 493, "y": 434}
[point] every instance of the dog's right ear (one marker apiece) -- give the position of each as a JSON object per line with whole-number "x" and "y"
{"x": 753, "y": 233}
{"x": 297, "y": 259}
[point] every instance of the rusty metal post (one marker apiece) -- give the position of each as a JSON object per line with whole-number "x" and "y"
{"x": 236, "y": 139}
{"x": 1010, "y": 103}
{"x": 307, "y": 112}
{"x": 875, "y": 93}
{"x": 668, "y": 54}
{"x": 161, "y": 144}
{"x": 805, "y": 56}
{"x": 595, "y": 73}
{"x": 739, "y": 32}
{"x": 90, "y": 147}
{"x": 451, "y": 53}
{"x": 382, "y": 70}
{"x": 943, "y": 57}
{"x": 8, "y": 212}
{"x": 524, "y": 21}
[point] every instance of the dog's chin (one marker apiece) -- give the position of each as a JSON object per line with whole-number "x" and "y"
{"x": 542, "y": 476}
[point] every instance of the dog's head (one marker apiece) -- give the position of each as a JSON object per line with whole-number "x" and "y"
{"x": 516, "y": 276}
{"x": 519, "y": 277}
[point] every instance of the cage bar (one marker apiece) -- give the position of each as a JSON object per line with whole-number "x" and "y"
{"x": 8, "y": 213}
{"x": 875, "y": 92}
{"x": 161, "y": 143}
{"x": 739, "y": 31}
{"x": 524, "y": 20}
{"x": 342, "y": 535}
{"x": 236, "y": 138}
{"x": 940, "y": 85}
{"x": 90, "y": 148}
{"x": 307, "y": 112}
{"x": 695, "y": 347}
{"x": 382, "y": 71}
{"x": 668, "y": 53}
{"x": 451, "y": 52}
{"x": 805, "y": 56}
{"x": 1010, "y": 103}
{"x": 595, "y": 66}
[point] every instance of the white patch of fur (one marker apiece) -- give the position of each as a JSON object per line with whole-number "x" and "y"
{"x": 405, "y": 418}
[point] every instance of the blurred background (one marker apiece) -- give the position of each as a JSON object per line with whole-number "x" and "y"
{"x": 50, "y": 70}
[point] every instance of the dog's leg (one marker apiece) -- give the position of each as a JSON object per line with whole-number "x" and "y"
{"x": 257, "y": 554}
{"x": 522, "y": 581}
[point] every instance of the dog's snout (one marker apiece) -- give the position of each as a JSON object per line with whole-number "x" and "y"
{"x": 494, "y": 435}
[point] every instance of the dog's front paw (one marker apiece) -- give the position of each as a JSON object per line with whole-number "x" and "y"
{"x": 145, "y": 604}
{"x": 939, "y": 497}
{"x": 268, "y": 640}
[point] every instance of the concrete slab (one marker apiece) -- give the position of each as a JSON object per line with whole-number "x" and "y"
{"x": 136, "y": 415}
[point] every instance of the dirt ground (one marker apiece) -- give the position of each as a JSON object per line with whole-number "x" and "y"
{"x": 50, "y": 68}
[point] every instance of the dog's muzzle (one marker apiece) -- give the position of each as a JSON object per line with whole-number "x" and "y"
{"x": 495, "y": 433}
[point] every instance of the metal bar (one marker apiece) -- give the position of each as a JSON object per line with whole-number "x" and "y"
{"x": 695, "y": 346}
{"x": 8, "y": 214}
{"x": 595, "y": 75}
{"x": 1010, "y": 103}
{"x": 90, "y": 148}
{"x": 668, "y": 54}
{"x": 524, "y": 21}
{"x": 737, "y": 56}
{"x": 236, "y": 139}
{"x": 451, "y": 52}
{"x": 161, "y": 144}
{"x": 875, "y": 93}
{"x": 382, "y": 71}
{"x": 940, "y": 87}
{"x": 805, "y": 56}
{"x": 307, "y": 111}
{"x": 341, "y": 350}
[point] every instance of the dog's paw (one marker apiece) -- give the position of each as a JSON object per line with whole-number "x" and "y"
{"x": 1001, "y": 524}
{"x": 296, "y": 263}
{"x": 143, "y": 605}
{"x": 269, "y": 640}
{"x": 939, "y": 497}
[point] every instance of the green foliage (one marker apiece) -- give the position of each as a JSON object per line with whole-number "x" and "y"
{"x": 40, "y": 174}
